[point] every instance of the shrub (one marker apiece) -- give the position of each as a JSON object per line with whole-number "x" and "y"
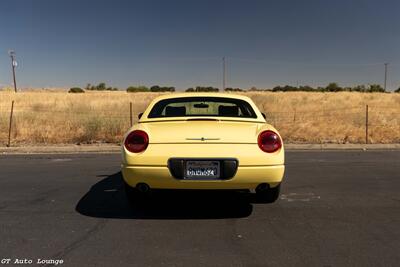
{"x": 306, "y": 88}
{"x": 359, "y": 88}
{"x": 229, "y": 89}
{"x": 100, "y": 87}
{"x": 333, "y": 87}
{"x": 157, "y": 88}
{"x": 397, "y": 90}
{"x": 76, "y": 90}
{"x": 203, "y": 89}
{"x": 135, "y": 89}
{"x": 375, "y": 88}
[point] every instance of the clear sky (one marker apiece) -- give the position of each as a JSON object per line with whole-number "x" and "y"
{"x": 181, "y": 43}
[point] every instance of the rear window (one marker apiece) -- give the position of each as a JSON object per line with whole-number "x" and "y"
{"x": 202, "y": 106}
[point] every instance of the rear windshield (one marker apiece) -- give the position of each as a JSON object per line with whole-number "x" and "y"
{"x": 202, "y": 106}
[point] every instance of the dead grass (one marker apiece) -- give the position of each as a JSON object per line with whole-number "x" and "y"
{"x": 301, "y": 117}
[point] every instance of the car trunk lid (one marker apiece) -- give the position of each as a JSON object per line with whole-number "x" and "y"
{"x": 202, "y": 131}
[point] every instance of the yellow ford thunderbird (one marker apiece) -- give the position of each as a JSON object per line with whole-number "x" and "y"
{"x": 203, "y": 141}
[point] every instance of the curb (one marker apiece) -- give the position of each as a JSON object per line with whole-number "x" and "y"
{"x": 342, "y": 146}
{"x": 61, "y": 149}
{"x": 116, "y": 148}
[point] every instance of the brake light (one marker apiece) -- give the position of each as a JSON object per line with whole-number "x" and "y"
{"x": 269, "y": 141}
{"x": 137, "y": 141}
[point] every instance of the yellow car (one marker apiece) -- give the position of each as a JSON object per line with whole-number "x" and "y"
{"x": 203, "y": 141}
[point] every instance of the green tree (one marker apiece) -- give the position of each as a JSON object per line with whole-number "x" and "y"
{"x": 286, "y": 88}
{"x": 76, "y": 90}
{"x": 306, "y": 88}
{"x": 333, "y": 87}
{"x": 359, "y": 88}
{"x": 135, "y": 89}
{"x": 229, "y": 89}
{"x": 101, "y": 87}
{"x": 156, "y": 88}
{"x": 206, "y": 89}
{"x": 375, "y": 88}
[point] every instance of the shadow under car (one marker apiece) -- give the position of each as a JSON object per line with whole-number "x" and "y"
{"x": 107, "y": 199}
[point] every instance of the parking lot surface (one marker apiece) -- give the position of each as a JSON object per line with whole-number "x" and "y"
{"x": 337, "y": 208}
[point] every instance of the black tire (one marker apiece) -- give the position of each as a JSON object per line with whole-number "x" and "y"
{"x": 269, "y": 195}
{"x": 131, "y": 193}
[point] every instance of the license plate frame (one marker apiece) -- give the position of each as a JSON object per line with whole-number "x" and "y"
{"x": 202, "y": 170}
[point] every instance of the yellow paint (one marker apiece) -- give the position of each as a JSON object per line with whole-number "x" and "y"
{"x": 230, "y": 138}
{"x": 245, "y": 178}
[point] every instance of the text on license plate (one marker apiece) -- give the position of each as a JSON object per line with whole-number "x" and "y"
{"x": 202, "y": 169}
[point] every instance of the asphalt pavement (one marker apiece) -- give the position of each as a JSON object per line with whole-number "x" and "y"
{"x": 337, "y": 208}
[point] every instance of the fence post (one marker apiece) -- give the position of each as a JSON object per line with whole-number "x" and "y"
{"x": 366, "y": 124}
{"x": 9, "y": 129}
{"x": 130, "y": 112}
{"x": 294, "y": 116}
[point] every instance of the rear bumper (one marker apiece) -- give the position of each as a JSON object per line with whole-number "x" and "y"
{"x": 246, "y": 177}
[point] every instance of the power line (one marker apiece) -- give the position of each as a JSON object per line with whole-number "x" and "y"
{"x": 305, "y": 63}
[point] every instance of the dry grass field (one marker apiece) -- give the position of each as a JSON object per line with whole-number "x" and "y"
{"x": 301, "y": 117}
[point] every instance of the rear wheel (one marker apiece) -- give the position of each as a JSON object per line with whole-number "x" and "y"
{"x": 130, "y": 192}
{"x": 268, "y": 194}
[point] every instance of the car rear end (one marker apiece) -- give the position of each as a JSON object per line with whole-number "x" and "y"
{"x": 203, "y": 152}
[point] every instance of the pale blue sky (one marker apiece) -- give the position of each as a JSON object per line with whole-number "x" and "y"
{"x": 181, "y": 43}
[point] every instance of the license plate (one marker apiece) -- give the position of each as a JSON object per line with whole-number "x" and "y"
{"x": 206, "y": 170}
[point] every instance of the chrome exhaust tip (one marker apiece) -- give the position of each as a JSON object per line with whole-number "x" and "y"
{"x": 142, "y": 187}
{"x": 262, "y": 187}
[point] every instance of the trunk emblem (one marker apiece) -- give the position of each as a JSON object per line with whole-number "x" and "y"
{"x": 202, "y": 139}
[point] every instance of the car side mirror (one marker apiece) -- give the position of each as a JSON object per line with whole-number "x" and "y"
{"x": 263, "y": 114}
{"x": 140, "y": 115}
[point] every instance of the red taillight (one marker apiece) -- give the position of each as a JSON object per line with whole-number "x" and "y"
{"x": 137, "y": 141}
{"x": 269, "y": 141}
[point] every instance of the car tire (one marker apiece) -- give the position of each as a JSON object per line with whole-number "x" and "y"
{"x": 130, "y": 192}
{"x": 268, "y": 195}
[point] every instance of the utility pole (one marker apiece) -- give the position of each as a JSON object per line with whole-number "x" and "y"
{"x": 223, "y": 74}
{"x": 13, "y": 65}
{"x": 384, "y": 86}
